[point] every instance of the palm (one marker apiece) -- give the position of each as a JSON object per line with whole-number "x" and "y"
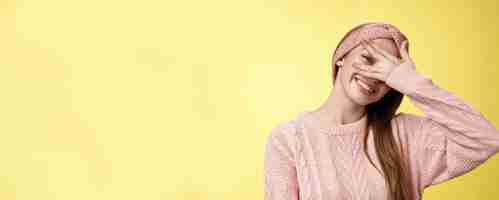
{"x": 386, "y": 62}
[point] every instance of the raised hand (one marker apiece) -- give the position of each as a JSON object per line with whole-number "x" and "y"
{"x": 384, "y": 63}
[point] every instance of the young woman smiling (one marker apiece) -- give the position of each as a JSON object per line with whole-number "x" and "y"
{"x": 355, "y": 145}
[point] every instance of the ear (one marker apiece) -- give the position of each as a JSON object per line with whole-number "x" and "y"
{"x": 340, "y": 62}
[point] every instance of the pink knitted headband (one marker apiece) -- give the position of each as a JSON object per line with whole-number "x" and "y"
{"x": 368, "y": 31}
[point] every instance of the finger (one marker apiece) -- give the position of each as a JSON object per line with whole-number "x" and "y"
{"x": 382, "y": 52}
{"x": 404, "y": 50}
{"x": 359, "y": 67}
{"x": 369, "y": 74}
{"x": 371, "y": 50}
{"x": 363, "y": 67}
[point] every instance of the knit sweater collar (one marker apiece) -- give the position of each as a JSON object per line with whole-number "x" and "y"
{"x": 357, "y": 127}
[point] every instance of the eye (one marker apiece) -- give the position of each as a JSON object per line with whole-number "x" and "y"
{"x": 366, "y": 58}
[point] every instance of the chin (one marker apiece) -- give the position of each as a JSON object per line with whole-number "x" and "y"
{"x": 363, "y": 101}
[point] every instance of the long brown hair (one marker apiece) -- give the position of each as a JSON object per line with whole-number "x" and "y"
{"x": 379, "y": 115}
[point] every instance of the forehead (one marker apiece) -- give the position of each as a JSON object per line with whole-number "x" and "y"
{"x": 387, "y": 45}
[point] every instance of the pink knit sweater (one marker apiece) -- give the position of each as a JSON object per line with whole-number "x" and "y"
{"x": 309, "y": 161}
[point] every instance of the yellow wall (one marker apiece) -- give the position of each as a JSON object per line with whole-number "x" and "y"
{"x": 174, "y": 99}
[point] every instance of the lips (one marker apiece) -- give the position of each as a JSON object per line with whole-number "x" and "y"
{"x": 366, "y": 86}
{"x": 366, "y": 81}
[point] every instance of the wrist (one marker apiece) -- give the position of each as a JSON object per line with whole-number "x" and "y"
{"x": 404, "y": 78}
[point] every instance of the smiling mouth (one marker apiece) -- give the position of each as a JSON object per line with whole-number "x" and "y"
{"x": 365, "y": 87}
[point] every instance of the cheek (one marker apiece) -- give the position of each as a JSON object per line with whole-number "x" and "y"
{"x": 346, "y": 73}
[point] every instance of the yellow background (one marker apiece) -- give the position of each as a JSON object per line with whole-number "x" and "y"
{"x": 174, "y": 99}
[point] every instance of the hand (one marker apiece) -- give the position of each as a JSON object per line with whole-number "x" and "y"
{"x": 384, "y": 62}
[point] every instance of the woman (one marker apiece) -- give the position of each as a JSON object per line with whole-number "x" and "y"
{"x": 354, "y": 146}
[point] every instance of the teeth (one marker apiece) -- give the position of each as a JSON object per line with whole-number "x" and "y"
{"x": 364, "y": 85}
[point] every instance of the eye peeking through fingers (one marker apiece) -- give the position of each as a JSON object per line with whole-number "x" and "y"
{"x": 366, "y": 58}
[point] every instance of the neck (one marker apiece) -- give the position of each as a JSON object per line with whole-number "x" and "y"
{"x": 340, "y": 109}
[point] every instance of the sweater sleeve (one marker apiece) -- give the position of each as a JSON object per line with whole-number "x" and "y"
{"x": 452, "y": 138}
{"x": 280, "y": 178}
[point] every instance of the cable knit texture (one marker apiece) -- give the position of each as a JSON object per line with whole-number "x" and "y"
{"x": 308, "y": 160}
